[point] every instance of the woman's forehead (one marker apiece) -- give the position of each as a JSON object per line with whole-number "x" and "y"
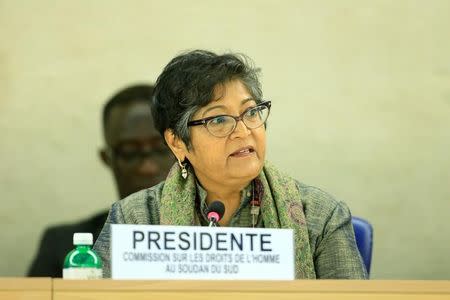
{"x": 229, "y": 94}
{"x": 233, "y": 86}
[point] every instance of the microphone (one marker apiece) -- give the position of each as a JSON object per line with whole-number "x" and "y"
{"x": 215, "y": 212}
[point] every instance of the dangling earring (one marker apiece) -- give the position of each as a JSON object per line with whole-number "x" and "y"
{"x": 184, "y": 172}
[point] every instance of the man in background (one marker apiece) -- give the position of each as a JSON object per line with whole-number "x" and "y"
{"x": 137, "y": 156}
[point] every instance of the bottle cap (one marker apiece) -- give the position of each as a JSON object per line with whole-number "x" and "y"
{"x": 83, "y": 238}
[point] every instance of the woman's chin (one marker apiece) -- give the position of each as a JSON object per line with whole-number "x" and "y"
{"x": 245, "y": 170}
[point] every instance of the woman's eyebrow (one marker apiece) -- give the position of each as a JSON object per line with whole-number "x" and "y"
{"x": 247, "y": 100}
{"x": 212, "y": 108}
{"x": 224, "y": 107}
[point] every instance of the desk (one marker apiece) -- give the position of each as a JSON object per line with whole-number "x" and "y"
{"x": 25, "y": 288}
{"x": 251, "y": 290}
{"x": 58, "y": 289}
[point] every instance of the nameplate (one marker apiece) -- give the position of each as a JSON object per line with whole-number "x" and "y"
{"x": 191, "y": 252}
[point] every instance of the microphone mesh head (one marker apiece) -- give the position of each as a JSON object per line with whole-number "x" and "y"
{"x": 217, "y": 207}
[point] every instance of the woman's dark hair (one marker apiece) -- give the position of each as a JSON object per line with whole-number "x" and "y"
{"x": 187, "y": 83}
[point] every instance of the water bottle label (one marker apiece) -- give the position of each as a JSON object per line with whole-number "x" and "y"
{"x": 82, "y": 273}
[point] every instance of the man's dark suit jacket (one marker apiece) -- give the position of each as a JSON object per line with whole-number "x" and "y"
{"x": 57, "y": 241}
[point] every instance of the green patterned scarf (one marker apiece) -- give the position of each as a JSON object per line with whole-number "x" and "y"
{"x": 281, "y": 207}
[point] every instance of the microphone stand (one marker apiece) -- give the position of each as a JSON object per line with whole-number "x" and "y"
{"x": 212, "y": 222}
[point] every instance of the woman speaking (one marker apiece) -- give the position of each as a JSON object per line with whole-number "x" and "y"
{"x": 210, "y": 110}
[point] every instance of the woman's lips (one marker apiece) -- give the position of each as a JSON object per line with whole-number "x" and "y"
{"x": 243, "y": 152}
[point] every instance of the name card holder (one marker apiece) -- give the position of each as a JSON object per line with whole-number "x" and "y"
{"x": 190, "y": 252}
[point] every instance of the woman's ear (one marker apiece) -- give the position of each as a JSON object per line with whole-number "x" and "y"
{"x": 175, "y": 144}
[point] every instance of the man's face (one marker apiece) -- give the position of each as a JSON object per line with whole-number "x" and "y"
{"x": 137, "y": 154}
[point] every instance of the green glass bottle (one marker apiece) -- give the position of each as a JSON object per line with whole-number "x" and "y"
{"x": 82, "y": 262}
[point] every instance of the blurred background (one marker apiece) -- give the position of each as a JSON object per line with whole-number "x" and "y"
{"x": 361, "y": 108}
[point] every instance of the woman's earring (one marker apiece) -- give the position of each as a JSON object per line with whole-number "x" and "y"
{"x": 184, "y": 172}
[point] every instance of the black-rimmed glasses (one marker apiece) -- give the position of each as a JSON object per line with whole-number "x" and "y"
{"x": 134, "y": 155}
{"x": 223, "y": 125}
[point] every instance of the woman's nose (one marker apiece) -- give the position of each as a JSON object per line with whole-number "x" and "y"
{"x": 241, "y": 130}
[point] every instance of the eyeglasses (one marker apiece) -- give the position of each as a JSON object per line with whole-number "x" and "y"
{"x": 223, "y": 125}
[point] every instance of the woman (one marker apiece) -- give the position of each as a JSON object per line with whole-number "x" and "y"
{"x": 210, "y": 111}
